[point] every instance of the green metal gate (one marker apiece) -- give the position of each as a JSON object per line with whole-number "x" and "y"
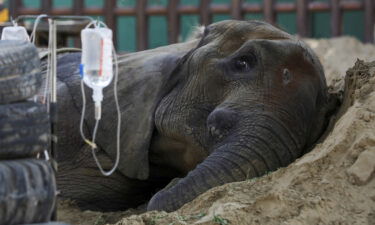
{"x": 353, "y": 21}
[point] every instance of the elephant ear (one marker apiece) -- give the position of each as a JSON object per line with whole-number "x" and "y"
{"x": 144, "y": 78}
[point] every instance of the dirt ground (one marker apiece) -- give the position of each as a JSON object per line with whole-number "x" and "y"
{"x": 332, "y": 184}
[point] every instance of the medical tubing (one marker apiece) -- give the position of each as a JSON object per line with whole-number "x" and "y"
{"x": 92, "y": 142}
{"x": 96, "y": 23}
{"x": 36, "y": 23}
{"x": 108, "y": 173}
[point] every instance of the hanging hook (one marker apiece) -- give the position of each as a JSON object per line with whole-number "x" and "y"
{"x": 13, "y": 21}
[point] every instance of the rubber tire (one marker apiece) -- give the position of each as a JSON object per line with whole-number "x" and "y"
{"x": 27, "y": 191}
{"x": 24, "y": 130}
{"x": 50, "y": 223}
{"x": 20, "y": 75}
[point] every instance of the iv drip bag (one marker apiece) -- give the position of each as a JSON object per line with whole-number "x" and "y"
{"x": 15, "y": 33}
{"x": 96, "y": 64}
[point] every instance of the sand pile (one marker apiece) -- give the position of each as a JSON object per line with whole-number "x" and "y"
{"x": 333, "y": 184}
{"x": 338, "y": 54}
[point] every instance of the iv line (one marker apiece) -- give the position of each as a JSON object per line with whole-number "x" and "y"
{"x": 36, "y": 23}
{"x": 92, "y": 142}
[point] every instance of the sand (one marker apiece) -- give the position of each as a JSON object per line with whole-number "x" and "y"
{"x": 332, "y": 184}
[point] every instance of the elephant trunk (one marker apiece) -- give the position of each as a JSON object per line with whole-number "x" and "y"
{"x": 258, "y": 151}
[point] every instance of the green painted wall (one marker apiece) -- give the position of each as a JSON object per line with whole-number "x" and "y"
{"x": 320, "y": 25}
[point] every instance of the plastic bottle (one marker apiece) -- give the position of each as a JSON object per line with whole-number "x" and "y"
{"x": 96, "y": 64}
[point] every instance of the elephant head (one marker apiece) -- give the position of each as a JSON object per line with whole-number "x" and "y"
{"x": 243, "y": 99}
{"x": 249, "y": 99}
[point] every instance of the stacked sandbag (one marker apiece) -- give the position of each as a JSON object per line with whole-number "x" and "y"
{"x": 27, "y": 184}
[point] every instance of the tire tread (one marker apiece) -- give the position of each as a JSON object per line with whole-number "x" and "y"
{"x": 28, "y": 191}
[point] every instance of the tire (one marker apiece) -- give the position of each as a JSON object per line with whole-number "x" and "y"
{"x": 27, "y": 191}
{"x": 24, "y": 130}
{"x": 50, "y": 223}
{"x": 20, "y": 76}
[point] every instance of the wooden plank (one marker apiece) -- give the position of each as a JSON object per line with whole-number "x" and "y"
{"x": 46, "y": 7}
{"x": 14, "y": 7}
{"x": 285, "y": 7}
{"x": 351, "y": 5}
{"x": 111, "y": 18}
{"x": 236, "y": 9}
{"x": 142, "y": 25}
{"x": 213, "y": 9}
{"x": 319, "y": 6}
{"x": 125, "y": 11}
{"x": 55, "y": 12}
{"x": 93, "y": 11}
{"x": 336, "y": 18}
{"x": 227, "y": 9}
{"x": 157, "y": 10}
{"x": 78, "y": 6}
{"x": 269, "y": 12}
{"x": 302, "y": 18}
{"x": 188, "y": 9}
{"x": 220, "y": 8}
{"x": 173, "y": 21}
{"x": 205, "y": 12}
{"x": 369, "y": 20}
{"x": 251, "y": 8}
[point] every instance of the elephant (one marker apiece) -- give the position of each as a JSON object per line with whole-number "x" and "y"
{"x": 238, "y": 100}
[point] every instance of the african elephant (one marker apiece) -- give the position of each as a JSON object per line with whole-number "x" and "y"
{"x": 241, "y": 99}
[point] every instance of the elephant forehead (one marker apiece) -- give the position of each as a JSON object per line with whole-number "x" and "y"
{"x": 230, "y": 35}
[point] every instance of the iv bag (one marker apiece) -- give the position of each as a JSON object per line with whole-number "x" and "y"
{"x": 97, "y": 50}
{"x": 15, "y": 33}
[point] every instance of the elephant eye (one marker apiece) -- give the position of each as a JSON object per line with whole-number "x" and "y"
{"x": 244, "y": 63}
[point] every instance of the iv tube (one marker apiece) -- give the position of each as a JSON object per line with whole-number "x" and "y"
{"x": 36, "y": 23}
{"x": 97, "y": 118}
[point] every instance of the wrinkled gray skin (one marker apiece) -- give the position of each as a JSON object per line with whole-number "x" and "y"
{"x": 243, "y": 99}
